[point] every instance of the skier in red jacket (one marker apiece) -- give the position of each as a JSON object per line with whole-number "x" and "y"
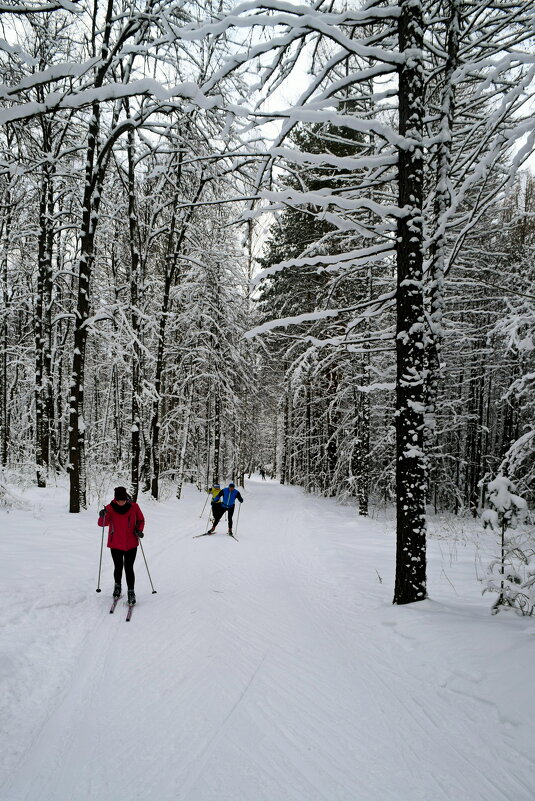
{"x": 126, "y": 522}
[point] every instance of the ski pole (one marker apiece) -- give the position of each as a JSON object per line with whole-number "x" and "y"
{"x": 146, "y": 565}
{"x": 238, "y": 518}
{"x": 210, "y": 520}
{"x": 204, "y": 507}
{"x": 100, "y": 562}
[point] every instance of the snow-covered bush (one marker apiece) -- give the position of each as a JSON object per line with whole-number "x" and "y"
{"x": 512, "y": 574}
{"x": 9, "y": 499}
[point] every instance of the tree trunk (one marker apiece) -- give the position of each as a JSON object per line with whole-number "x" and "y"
{"x": 410, "y": 584}
{"x": 38, "y": 329}
{"x": 217, "y": 438}
{"x": 438, "y": 245}
{"x": 363, "y": 452}
{"x": 135, "y": 275}
{"x": 284, "y": 439}
{"x": 185, "y": 436}
{"x": 6, "y": 236}
{"x": 275, "y": 464}
{"x": 42, "y": 326}
{"x": 49, "y": 440}
{"x": 90, "y": 208}
{"x": 76, "y": 391}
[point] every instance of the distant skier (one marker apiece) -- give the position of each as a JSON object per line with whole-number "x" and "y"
{"x": 126, "y": 522}
{"x": 214, "y": 490}
{"x": 228, "y": 498}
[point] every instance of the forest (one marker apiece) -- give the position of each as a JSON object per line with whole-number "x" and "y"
{"x": 289, "y": 237}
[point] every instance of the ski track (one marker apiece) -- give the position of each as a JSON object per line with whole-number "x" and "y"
{"x": 272, "y": 669}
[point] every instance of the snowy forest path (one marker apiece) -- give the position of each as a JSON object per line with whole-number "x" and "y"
{"x": 273, "y": 669}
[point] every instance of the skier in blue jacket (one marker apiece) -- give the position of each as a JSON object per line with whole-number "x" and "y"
{"x": 227, "y": 498}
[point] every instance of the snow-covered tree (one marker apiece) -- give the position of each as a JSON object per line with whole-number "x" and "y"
{"x": 512, "y": 575}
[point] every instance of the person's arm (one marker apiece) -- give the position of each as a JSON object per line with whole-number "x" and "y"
{"x": 239, "y": 497}
{"x": 219, "y": 495}
{"x": 103, "y": 517}
{"x": 140, "y": 520}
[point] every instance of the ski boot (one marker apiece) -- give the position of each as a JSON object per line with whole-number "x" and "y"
{"x": 131, "y": 597}
{"x": 117, "y": 591}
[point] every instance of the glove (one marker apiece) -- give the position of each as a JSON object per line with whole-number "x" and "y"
{"x": 102, "y": 513}
{"x": 139, "y": 534}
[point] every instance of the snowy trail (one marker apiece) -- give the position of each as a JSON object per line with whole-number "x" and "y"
{"x": 272, "y": 669}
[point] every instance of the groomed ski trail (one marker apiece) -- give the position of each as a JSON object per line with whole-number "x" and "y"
{"x": 272, "y": 670}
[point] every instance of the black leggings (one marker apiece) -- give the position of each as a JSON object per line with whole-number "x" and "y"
{"x": 126, "y": 558}
{"x": 218, "y": 511}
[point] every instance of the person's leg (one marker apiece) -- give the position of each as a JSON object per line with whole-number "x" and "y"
{"x": 118, "y": 559}
{"x": 212, "y": 515}
{"x": 129, "y": 559}
{"x": 218, "y": 514}
{"x": 230, "y": 516}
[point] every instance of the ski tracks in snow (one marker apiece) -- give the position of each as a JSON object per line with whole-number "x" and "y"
{"x": 273, "y": 669}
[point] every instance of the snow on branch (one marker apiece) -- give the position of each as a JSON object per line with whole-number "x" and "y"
{"x": 322, "y": 198}
{"x": 39, "y": 8}
{"x": 286, "y": 321}
{"x": 345, "y": 162}
{"x": 112, "y": 91}
{"x": 354, "y": 257}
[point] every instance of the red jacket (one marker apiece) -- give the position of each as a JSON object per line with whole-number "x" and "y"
{"x": 122, "y": 526}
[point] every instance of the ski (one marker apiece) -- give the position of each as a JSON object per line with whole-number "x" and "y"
{"x": 114, "y": 604}
{"x": 206, "y": 533}
{"x": 129, "y": 613}
{"x": 233, "y": 537}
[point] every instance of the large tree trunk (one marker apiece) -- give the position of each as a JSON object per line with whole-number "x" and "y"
{"x": 76, "y": 391}
{"x": 135, "y": 275}
{"x": 410, "y": 582}
{"x": 94, "y": 173}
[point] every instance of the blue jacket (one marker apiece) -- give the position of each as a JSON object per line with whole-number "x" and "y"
{"x": 228, "y": 497}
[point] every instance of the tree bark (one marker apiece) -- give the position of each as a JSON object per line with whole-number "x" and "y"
{"x": 135, "y": 276}
{"x": 4, "y": 413}
{"x": 363, "y": 452}
{"x": 217, "y": 437}
{"x": 91, "y": 204}
{"x": 410, "y": 584}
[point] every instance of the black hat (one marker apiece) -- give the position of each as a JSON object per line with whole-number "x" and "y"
{"x": 120, "y": 494}
{"x": 231, "y": 484}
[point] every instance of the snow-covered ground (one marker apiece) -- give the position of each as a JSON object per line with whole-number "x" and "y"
{"x": 270, "y": 669}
